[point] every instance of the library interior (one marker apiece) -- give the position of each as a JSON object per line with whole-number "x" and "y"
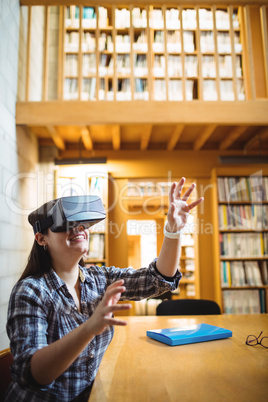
{"x": 120, "y": 100}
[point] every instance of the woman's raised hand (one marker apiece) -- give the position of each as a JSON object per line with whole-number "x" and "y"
{"x": 178, "y": 208}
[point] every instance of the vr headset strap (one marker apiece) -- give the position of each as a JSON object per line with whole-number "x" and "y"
{"x": 39, "y": 226}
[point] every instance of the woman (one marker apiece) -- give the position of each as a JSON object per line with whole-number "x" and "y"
{"x": 60, "y": 317}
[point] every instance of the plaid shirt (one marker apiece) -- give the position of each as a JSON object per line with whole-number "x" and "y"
{"x": 41, "y": 310}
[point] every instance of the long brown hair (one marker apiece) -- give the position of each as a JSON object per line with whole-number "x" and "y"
{"x": 39, "y": 260}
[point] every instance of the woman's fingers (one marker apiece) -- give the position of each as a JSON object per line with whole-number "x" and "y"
{"x": 195, "y": 203}
{"x": 115, "y": 321}
{"x": 188, "y": 192}
{"x": 172, "y": 193}
{"x": 118, "y": 307}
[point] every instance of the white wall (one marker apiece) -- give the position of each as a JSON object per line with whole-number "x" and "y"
{"x": 18, "y": 165}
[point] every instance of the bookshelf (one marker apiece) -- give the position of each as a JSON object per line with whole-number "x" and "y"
{"x": 241, "y": 239}
{"x": 89, "y": 180}
{"x": 148, "y": 199}
{"x": 155, "y": 53}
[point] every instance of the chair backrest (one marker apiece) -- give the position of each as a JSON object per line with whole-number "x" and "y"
{"x": 188, "y": 307}
{"x": 6, "y": 360}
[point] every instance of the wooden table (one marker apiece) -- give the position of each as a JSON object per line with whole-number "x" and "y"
{"x": 138, "y": 369}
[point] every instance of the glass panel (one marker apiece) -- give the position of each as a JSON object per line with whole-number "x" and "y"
{"x": 53, "y": 53}
{"x": 37, "y": 53}
{"x": 21, "y": 94}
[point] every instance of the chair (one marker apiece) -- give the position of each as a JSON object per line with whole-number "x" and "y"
{"x": 6, "y": 360}
{"x": 188, "y": 307}
{"x": 163, "y": 296}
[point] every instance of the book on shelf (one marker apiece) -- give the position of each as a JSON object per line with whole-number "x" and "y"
{"x": 123, "y": 89}
{"x": 159, "y": 89}
{"x": 244, "y": 301}
{"x": 72, "y": 17}
{"x": 208, "y": 66}
{"x": 70, "y": 88}
{"x": 243, "y": 273}
{"x": 189, "y": 41}
{"x": 89, "y": 89}
{"x": 175, "y": 90}
{"x": 89, "y": 19}
{"x": 71, "y": 41}
{"x": 89, "y": 64}
{"x": 209, "y": 90}
{"x": 139, "y": 17}
{"x": 173, "y": 19}
{"x": 222, "y": 19}
{"x": 141, "y": 89}
{"x": 96, "y": 249}
{"x": 225, "y": 66}
{"x": 224, "y": 42}
{"x": 207, "y": 41}
{"x": 246, "y": 217}
{"x": 227, "y": 90}
{"x": 191, "y": 66}
{"x": 243, "y": 245}
{"x": 190, "y": 290}
{"x": 173, "y": 42}
{"x": 140, "y": 43}
{"x": 103, "y": 17}
{"x": 71, "y": 65}
{"x": 156, "y": 20}
{"x": 174, "y": 66}
{"x": 205, "y": 19}
{"x": 88, "y": 42}
{"x": 252, "y": 188}
{"x": 189, "y": 18}
{"x": 122, "y": 43}
{"x": 122, "y": 18}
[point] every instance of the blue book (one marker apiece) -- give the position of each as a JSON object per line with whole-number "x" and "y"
{"x": 189, "y": 334}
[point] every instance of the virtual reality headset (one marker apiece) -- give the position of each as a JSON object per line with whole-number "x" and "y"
{"x": 65, "y": 213}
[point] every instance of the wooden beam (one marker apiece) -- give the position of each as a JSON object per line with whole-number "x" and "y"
{"x": 86, "y": 138}
{"x": 231, "y": 137}
{"x": 59, "y": 113}
{"x": 261, "y": 134}
{"x": 175, "y": 137}
{"x": 116, "y": 137}
{"x": 204, "y": 136}
{"x": 145, "y": 136}
{"x": 57, "y": 139}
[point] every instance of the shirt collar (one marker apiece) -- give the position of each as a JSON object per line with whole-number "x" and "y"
{"x": 55, "y": 282}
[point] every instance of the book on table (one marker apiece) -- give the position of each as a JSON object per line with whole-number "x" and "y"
{"x": 189, "y": 334}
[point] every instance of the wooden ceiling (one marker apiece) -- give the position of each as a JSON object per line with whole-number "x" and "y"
{"x": 157, "y": 137}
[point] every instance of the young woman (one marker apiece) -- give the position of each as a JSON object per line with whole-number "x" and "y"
{"x": 60, "y": 316}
